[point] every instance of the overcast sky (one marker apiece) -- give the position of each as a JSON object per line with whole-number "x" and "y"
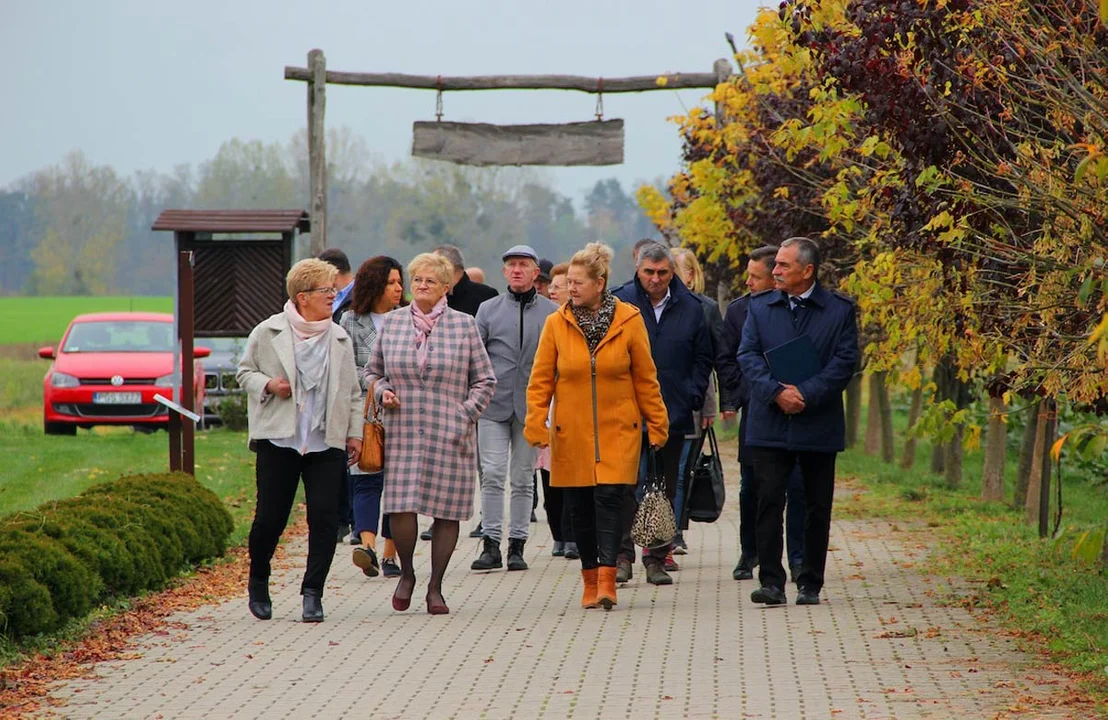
{"x": 142, "y": 84}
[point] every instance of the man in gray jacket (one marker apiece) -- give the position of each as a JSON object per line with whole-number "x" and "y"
{"x": 510, "y": 326}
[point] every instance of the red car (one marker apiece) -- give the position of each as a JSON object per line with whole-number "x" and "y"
{"x": 107, "y": 370}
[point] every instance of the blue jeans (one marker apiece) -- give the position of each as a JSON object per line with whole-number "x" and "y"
{"x": 367, "y": 502}
{"x": 794, "y": 515}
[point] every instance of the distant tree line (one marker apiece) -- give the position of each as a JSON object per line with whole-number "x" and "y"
{"x": 79, "y": 229}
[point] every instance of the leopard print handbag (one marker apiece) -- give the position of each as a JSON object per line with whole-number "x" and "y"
{"x": 654, "y": 525}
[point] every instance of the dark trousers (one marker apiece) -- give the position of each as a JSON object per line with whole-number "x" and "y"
{"x": 346, "y": 500}
{"x": 595, "y": 516}
{"x": 794, "y": 515}
{"x": 669, "y": 462}
{"x": 772, "y": 468}
{"x": 367, "y": 503}
{"x": 277, "y": 476}
{"x": 555, "y": 506}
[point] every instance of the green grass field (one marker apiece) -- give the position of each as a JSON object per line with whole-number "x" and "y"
{"x": 42, "y": 320}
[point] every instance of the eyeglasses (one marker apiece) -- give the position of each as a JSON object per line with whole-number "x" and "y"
{"x": 429, "y": 282}
{"x": 324, "y": 291}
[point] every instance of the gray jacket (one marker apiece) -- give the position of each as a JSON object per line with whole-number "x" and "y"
{"x": 501, "y": 321}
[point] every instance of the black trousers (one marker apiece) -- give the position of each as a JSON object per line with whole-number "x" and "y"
{"x": 278, "y": 474}
{"x": 557, "y": 510}
{"x": 669, "y": 464}
{"x": 772, "y": 468}
{"x": 595, "y": 518}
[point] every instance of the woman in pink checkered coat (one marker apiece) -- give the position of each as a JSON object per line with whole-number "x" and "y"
{"x": 430, "y": 372}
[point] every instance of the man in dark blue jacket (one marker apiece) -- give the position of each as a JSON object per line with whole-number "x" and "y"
{"x": 682, "y": 351}
{"x": 759, "y": 279}
{"x": 796, "y": 423}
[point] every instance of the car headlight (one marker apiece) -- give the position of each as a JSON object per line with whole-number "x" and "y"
{"x": 61, "y": 380}
{"x": 165, "y": 381}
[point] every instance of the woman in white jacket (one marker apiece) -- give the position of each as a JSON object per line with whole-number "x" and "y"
{"x": 305, "y": 414}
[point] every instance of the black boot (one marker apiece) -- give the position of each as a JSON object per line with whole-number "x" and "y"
{"x": 515, "y": 554}
{"x": 313, "y": 605}
{"x": 261, "y": 606}
{"x": 490, "y": 556}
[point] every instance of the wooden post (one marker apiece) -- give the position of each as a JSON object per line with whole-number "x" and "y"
{"x": 722, "y": 69}
{"x": 317, "y": 151}
{"x": 187, "y": 329}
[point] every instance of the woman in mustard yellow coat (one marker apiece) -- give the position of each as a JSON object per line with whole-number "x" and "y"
{"x": 594, "y": 363}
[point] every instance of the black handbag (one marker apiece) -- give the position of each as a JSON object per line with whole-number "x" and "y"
{"x": 706, "y": 494}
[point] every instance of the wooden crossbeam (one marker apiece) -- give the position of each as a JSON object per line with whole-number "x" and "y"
{"x": 642, "y": 83}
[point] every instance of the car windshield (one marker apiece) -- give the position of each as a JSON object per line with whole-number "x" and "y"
{"x": 120, "y": 336}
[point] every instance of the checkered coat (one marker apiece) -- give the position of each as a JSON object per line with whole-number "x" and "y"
{"x": 430, "y": 440}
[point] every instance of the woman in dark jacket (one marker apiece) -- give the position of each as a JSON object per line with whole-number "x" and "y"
{"x": 688, "y": 269}
{"x": 378, "y": 290}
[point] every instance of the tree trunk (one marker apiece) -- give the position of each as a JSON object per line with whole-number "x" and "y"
{"x": 938, "y": 451}
{"x": 853, "y": 409}
{"x": 996, "y": 451}
{"x": 885, "y": 406}
{"x": 952, "y": 460}
{"x": 908, "y": 459}
{"x": 1104, "y": 551}
{"x": 1027, "y": 449}
{"x": 873, "y": 414}
{"x": 1034, "y": 475}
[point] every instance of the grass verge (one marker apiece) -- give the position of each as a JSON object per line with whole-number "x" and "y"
{"x": 43, "y": 319}
{"x": 1050, "y": 601}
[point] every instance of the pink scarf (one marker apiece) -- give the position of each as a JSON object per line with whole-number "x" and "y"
{"x": 424, "y": 323}
{"x": 304, "y": 329}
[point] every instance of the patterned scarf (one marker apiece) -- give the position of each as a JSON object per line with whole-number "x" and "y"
{"x": 424, "y": 323}
{"x": 595, "y": 324}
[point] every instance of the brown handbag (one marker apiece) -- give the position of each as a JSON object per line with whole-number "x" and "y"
{"x": 372, "y": 458}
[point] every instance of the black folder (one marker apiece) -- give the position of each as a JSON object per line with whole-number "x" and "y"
{"x": 795, "y": 361}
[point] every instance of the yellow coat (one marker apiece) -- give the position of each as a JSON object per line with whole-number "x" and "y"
{"x": 595, "y": 438}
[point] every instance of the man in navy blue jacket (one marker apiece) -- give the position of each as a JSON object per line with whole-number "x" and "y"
{"x": 682, "y": 351}
{"x": 801, "y": 423}
{"x": 759, "y": 279}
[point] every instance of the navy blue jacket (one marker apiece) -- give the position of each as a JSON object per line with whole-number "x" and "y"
{"x": 681, "y": 347}
{"x": 831, "y": 323}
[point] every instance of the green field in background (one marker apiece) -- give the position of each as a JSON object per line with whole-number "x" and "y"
{"x": 44, "y": 319}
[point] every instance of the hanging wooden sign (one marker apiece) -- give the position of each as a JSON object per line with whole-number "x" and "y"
{"x": 599, "y": 142}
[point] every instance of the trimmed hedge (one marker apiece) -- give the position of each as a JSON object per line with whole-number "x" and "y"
{"x": 114, "y": 540}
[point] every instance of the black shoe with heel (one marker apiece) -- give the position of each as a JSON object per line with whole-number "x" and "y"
{"x": 261, "y": 606}
{"x": 313, "y": 605}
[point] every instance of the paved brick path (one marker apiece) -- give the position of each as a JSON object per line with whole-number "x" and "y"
{"x": 517, "y": 645}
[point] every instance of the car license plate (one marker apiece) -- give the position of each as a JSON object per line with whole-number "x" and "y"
{"x": 117, "y": 398}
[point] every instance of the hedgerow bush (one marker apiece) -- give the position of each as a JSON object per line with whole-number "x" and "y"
{"x": 117, "y": 539}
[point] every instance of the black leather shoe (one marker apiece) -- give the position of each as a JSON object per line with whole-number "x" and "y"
{"x": 426, "y": 534}
{"x": 477, "y": 532}
{"x": 624, "y": 571}
{"x": 807, "y": 597}
{"x": 572, "y": 553}
{"x": 490, "y": 558}
{"x": 313, "y": 605}
{"x": 261, "y": 606}
{"x": 769, "y": 595}
{"x": 515, "y": 554}
{"x": 745, "y": 569}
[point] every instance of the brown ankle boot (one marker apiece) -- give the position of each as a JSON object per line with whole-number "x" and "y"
{"x": 606, "y": 587}
{"x": 588, "y": 597}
